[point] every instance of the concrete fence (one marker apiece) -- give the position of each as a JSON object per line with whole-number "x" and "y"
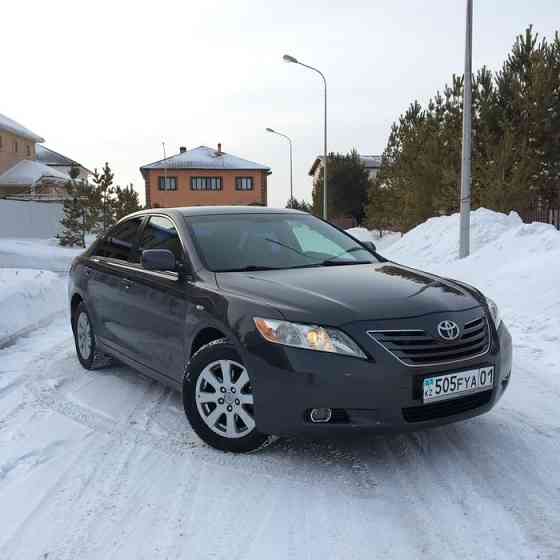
{"x": 29, "y": 219}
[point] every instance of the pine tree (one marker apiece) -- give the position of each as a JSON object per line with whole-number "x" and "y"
{"x": 347, "y": 185}
{"x": 73, "y": 218}
{"x": 516, "y": 142}
{"x": 126, "y": 201}
{"x": 101, "y": 200}
{"x": 302, "y": 205}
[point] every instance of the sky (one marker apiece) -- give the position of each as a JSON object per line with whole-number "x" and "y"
{"x": 110, "y": 81}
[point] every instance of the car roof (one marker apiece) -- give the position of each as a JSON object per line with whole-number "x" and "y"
{"x": 216, "y": 210}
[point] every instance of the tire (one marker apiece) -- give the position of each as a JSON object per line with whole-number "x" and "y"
{"x": 84, "y": 339}
{"x": 218, "y": 399}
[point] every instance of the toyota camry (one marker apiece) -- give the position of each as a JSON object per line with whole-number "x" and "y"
{"x": 274, "y": 322}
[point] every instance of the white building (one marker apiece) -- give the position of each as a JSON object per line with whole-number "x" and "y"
{"x": 372, "y": 163}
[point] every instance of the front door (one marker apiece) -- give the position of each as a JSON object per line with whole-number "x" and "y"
{"x": 107, "y": 284}
{"x": 159, "y": 303}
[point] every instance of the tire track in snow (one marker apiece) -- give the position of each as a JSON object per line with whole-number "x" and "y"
{"x": 422, "y": 482}
{"x": 105, "y": 490}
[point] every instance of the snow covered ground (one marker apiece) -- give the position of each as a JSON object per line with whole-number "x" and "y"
{"x": 39, "y": 254}
{"x": 103, "y": 464}
{"x": 32, "y": 284}
{"x": 27, "y": 299}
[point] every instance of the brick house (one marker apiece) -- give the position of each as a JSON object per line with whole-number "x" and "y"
{"x": 204, "y": 176}
{"x": 29, "y": 170}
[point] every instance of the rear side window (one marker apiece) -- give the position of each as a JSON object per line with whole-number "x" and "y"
{"x": 160, "y": 233}
{"x": 118, "y": 243}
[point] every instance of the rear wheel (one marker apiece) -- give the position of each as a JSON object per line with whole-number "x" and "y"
{"x": 84, "y": 338}
{"x": 218, "y": 399}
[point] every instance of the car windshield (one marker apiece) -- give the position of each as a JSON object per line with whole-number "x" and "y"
{"x": 241, "y": 242}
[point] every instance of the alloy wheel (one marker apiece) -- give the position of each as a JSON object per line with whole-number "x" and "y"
{"x": 83, "y": 335}
{"x": 224, "y": 399}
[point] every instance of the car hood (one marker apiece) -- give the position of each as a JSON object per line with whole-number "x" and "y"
{"x": 341, "y": 294}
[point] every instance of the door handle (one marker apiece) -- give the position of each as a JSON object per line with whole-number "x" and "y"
{"x": 125, "y": 283}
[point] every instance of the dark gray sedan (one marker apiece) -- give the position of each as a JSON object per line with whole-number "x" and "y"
{"x": 274, "y": 322}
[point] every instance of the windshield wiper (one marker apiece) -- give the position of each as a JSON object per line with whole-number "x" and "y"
{"x": 297, "y": 251}
{"x": 333, "y": 262}
{"x": 249, "y": 268}
{"x": 330, "y": 262}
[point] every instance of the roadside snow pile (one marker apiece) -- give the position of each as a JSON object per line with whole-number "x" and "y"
{"x": 436, "y": 241}
{"x": 516, "y": 264}
{"x": 41, "y": 254}
{"x": 28, "y": 298}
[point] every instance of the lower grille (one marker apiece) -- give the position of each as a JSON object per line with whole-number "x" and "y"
{"x": 419, "y": 348}
{"x": 446, "y": 408}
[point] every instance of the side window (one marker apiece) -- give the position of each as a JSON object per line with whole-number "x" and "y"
{"x": 118, "y": 243}
{"x": 160, "y": 233}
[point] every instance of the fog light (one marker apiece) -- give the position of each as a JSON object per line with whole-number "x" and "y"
{"x": 319, "y": 415}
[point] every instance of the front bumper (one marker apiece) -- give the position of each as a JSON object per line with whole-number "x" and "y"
{"x": 379, "y": 395}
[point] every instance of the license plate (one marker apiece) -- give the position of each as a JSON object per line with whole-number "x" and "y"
{"x": 454, "y": 385}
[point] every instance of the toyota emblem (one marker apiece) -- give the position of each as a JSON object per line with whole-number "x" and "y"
{"x": 448, "y": 330}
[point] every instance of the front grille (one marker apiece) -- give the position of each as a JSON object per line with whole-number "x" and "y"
{"x": 446, "y": 408}
{"x": 418, "y": 348}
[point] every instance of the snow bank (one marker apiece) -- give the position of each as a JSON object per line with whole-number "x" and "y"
{"x": 42, "y": 254}
{"x": 28, "y": 298}
{"x": 436, "y": 241}
{"x": 516, "y": 264}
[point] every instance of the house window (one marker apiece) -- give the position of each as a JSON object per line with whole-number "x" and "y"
{"x": 244, "y": 183}
{"x": 1, "y": 142}
{"x": 206, "y": 184}
{"x": 15, "y": 146}
{"x": 167, "y": 183}
{"x": 28, "y": 147}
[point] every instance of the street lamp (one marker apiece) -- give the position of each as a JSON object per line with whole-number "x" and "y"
{"x": 291, "y": 174}
{"x": 465, "y": 200}
{"x": 288, "y": 58}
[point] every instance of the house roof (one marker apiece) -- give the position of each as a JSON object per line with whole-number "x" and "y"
{"x": 53, "y": 159}
{"x": 26, "y": 173}
{"x": 370, "y": 161}
{"x": 204, "y": 157}
{"x": 9, "y": 125}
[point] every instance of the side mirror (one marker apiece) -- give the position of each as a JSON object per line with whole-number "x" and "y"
{"x": 370, "y": 245}
{"x": 158, "y": 259}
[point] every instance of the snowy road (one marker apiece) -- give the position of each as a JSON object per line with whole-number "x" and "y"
{"x": 103, "y": 465}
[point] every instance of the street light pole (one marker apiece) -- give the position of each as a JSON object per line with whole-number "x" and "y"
{"x": 288, "y": 58}
{"x": 291, "y": 168}
{"x": 465, "y": 201}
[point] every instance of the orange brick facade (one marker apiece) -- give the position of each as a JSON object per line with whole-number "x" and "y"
{"x": 185, "y": 196}
{"x": 14, "y": 148}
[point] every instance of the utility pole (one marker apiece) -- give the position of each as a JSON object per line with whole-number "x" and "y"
{"x": 465, "y": 200}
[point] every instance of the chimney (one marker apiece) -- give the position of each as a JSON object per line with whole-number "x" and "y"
{"x": 182, "y": 149}
{"x": 219, "y": 147}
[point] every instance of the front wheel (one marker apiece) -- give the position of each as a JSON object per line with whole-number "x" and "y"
{"x": 218, "y": 399}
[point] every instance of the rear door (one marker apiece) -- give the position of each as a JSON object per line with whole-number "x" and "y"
{"x": 108, "y": 286}
{"x": 158, "y": 303}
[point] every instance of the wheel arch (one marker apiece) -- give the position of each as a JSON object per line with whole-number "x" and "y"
{"x": 204, "y": 336}
{"x": 75, "y": 300}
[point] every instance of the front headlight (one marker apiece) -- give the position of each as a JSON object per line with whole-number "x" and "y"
{"x": 494, "y": 312}
{"x": 310, "y": 337}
